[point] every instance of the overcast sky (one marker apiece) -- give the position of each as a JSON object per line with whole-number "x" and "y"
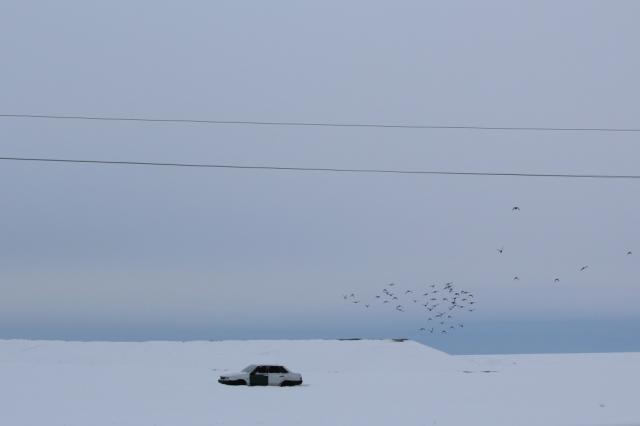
{"x": 109, "y": 252}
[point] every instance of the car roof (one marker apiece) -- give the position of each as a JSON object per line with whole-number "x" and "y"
{"x": 263, "y": 365}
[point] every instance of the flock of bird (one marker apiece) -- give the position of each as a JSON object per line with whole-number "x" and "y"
{"x": 440, "y": 305}
{"x": 583, "y": 268}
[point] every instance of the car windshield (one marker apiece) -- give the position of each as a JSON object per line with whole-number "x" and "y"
{"x": 248, "y": 368}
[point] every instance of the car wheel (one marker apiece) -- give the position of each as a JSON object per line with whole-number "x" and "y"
{"x": 285, "y": 383}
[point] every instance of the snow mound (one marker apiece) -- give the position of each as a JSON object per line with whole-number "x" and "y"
{"x": 365, "y": 382}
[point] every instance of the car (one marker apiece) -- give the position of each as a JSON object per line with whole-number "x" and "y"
{"x": 262, "y": 375}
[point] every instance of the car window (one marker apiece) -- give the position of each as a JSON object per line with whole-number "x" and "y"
{"x": 276, "y": 369}
{"x": 261, "y": 369}
{"x": 283, "y": 370}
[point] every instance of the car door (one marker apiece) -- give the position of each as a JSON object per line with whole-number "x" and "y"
{"x": 276, "y": 375}
{"x": 259, "y": 376}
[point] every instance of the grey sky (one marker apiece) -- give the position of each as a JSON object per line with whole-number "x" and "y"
{"x": 95, "y": 251}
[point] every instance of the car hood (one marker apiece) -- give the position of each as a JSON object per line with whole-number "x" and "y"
{"x": 234, "y": 375}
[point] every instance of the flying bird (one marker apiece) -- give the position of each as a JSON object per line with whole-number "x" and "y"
{"x": 557, "y": 280}
{"x": 515, "y": 208}
{"x": 629, "y": 252}
{"x": 516, "y": 278}
{"x": 500, "y": 250}
{"x": 584, "y": 267}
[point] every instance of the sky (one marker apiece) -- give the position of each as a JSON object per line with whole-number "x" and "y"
{"x": 135, "y": 253}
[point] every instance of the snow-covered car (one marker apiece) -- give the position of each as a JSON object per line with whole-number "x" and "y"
{"x": 262, "y": 375}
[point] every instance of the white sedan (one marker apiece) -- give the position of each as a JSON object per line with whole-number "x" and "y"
{"x": 262, "y": 375}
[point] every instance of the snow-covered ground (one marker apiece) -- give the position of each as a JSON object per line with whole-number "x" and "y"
{"x": 345, "y": 383}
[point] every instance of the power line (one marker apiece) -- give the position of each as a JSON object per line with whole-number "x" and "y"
{"x": 321, "y": 169}
{"x": 321, "y": 124}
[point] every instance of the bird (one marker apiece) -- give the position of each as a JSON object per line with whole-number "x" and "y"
{"x": 515, "y": 208}
{"x": 584, "y": 267}
{"x": 557, "y": 280}
{"x": 378, "y": 297}
{"x": 516, "y": 278}
{"x": 352, "y": 295}
{"x": 386, "y": 301}
{"x": 345, "y": 297}
{"x": 366, "y": 306}
{"x": 629, "y": 252}
{"x": 500, "y": 250}
{"x": 422, "y": 329}
{"x": 356, "y": 301}
{"x": 392, "y": 284}
{"x": 408, "y": 291}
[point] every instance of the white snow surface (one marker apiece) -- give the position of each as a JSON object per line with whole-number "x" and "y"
{"x": 365, "y": 382}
